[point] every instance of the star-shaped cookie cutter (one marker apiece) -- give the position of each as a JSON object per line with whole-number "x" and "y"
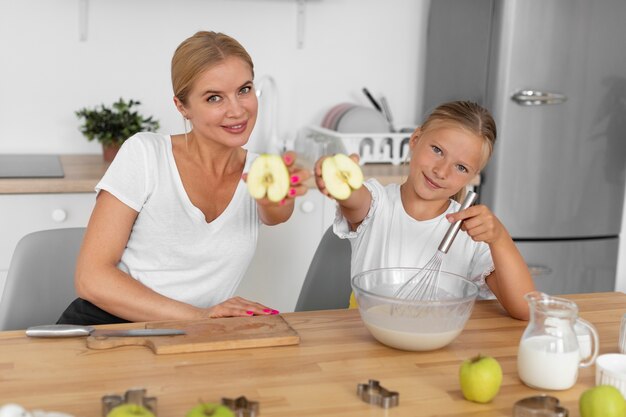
{"x": 132, "y": 396}
{"x": 242, "y": 407}
{"x": 374, "y": 393}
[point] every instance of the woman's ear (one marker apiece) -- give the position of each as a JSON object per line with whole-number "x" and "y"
{"x": 180, "y": 107}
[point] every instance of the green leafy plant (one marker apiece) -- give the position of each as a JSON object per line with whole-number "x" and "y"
{"x": 112, "y": 126}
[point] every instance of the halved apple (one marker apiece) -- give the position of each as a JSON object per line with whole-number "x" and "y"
{"x": 268, "y": 176}
{"x": 341, "y": 175}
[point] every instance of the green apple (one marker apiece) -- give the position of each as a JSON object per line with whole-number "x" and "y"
{"x": 341, "y": 176}
{"x": 602, "y": 401}
{"x": 130, "y": 410}
{"x": 210, "y": 410}
{"x": 481, "y": 377}
{"x": 268, "y": 176}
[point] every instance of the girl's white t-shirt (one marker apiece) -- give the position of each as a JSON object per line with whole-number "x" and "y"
{"x": 388, "y": 237}
{"x": 172, "y": 249}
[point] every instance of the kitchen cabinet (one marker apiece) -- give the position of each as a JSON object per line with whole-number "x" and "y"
{"x": 21, "y": 214}
{"x": 284, "y": 252}
{"x": 31, "y": 204}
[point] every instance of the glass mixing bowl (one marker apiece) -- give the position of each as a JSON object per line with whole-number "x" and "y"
{"x": 415, "y": 325}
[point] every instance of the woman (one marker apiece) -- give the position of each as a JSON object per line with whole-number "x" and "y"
{"x": 174, "y": 229}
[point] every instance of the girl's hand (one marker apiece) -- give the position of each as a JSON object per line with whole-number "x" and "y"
{"x": 317, "y": 171}
{"x": 238, "y": 307}
{"x": 480, "y": 224}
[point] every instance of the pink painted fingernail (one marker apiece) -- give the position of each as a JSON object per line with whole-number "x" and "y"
{"x": 282, "y": 202}
{"x": 287, "y": 159}
{"x": 292, "y": 192}
{"x": 295, "y": 179}
{"x": 267, "y": 310}
{"x": 249, "y": 312}
{"x": 275, "y": 311}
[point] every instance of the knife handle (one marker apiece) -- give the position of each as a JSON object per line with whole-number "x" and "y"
{"x": 59, "y": 330}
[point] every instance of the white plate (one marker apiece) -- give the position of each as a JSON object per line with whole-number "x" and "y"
{"x": 360, "y": 119}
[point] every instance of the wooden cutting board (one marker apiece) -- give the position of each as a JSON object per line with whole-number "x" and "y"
{"x": 209, "y": 334}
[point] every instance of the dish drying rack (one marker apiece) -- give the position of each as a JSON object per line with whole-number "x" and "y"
{"x": 389, "y": 148}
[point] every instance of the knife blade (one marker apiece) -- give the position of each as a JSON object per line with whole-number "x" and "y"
{"x": 71, "y": 330}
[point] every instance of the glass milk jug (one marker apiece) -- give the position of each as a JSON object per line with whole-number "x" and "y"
{"x": 549, "y": 354}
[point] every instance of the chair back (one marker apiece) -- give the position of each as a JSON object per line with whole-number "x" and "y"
{"x": 40, "y": 281}
{"x": 327, "y": 282}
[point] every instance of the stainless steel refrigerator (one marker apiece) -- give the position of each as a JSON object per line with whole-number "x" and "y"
{"x": 553, "y": 73}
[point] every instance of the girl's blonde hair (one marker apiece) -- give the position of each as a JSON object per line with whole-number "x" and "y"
{"x": 200, "y": 52}
{"x": 471, "y": 117}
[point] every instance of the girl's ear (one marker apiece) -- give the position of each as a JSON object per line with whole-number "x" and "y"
{"x": 415, "y": 136}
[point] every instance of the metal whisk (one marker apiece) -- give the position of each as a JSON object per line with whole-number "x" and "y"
{"x": 424, "y": 284}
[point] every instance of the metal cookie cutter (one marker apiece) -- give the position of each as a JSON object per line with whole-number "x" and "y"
{"x": 132, "y": 396}
{"x": 373, "y": 393}
{"x": 539, "y": 406}
{"x": 242, "y": 407}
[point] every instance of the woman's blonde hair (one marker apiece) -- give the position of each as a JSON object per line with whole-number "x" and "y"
{"x": 471, "y": 117}
{"x": 200, "y": 52}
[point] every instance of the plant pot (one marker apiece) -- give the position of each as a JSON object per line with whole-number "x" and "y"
{"x": 109, "y": 151}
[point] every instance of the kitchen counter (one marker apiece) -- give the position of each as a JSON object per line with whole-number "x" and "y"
{"x": 82, "y": 173}
{"x": 317, "y": 378}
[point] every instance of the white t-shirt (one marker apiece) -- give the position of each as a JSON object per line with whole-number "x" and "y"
{"x": 388, "y": 237}
{"x": 172, "y": 249}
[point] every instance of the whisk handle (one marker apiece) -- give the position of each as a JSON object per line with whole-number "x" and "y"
{"x": 447, "y": 240}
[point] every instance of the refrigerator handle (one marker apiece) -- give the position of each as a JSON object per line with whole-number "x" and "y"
{"x": 539, "y": 270}
{"x": 537, "y": 98}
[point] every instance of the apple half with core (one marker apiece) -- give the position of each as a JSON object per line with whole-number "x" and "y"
{"x": 130, "y": 410}
{"x": 341, "y": 176}
{"x": 602, "y": 401}
{"x": 481, "y": 377}
{"x": 268, "y": 176}
{"x": 210, "y": 410}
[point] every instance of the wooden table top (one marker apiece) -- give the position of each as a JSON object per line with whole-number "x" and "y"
{"x": 317, "y": 378}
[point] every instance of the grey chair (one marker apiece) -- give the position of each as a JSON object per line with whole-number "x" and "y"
{"x": 40, "y": 282}
{"x": 327, "y": 282}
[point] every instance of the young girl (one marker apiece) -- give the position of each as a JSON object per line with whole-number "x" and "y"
{"x": 402, "y": 225}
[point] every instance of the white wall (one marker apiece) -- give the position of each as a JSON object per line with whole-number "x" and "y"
{"x": 47, "y": 73}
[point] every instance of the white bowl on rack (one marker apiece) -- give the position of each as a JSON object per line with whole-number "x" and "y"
{"x": 611, "y": 370}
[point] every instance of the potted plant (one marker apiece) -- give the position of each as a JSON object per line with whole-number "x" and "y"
{"x": 112, "y": 126}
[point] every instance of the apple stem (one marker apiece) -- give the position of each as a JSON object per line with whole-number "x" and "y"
{"x": 477, "y": 358}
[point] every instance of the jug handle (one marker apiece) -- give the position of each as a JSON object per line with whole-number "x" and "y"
{"x": 588, "y": 361}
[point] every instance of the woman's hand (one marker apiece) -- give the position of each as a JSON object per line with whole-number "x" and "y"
{"x": 480, "y": 224}
{"x": 272, "y": 213}
{"x": 297, "y": 176}
{"x": 238, "y": 307}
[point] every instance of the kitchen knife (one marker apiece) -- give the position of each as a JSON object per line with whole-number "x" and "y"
{"x": 70, "y": 330}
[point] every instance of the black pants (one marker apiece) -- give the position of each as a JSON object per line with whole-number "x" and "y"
{"x": 84, "y": 313}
